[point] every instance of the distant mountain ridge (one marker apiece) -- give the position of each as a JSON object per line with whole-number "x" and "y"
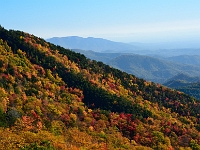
{"x": 91, "y": 43}
{"x": 185, "y": 59}
{"x": 108, "y": 46}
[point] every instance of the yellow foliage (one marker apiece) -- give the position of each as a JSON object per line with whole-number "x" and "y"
{"x": 78, "y": 138}
{"x": 185, "y": 148}
{"x": 10, "y": 141}
{"x": 57, "y": 127}
{"x": 38, "y": 110}
{"x": 141, "y": 148}
{"x": 73, "y": 116}
{"x": 57, "y": 141}
{"x": 89, "y": 110}
{"x": 116, "y": 141}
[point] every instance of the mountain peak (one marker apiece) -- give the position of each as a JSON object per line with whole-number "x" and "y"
{"x": 91, "y": 43}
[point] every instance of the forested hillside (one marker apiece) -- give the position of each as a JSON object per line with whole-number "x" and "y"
{"x": 186, "y": 84}
{"x": 192, "y": 89}
{"x": 54, "y": 98}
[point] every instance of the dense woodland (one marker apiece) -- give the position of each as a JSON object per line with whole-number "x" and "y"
{"x": 192, "y": 89}
{"x": 53, "y": 98}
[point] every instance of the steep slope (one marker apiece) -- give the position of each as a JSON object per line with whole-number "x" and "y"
{"x": 53, "y": 98}
{"x": 152, "y": 69}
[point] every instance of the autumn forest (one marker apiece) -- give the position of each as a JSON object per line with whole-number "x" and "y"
{"x": 52, "y": 98}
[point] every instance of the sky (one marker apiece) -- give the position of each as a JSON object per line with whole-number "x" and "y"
{"x": 145, "y": 21}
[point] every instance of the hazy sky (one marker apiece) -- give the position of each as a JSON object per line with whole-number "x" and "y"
{"x": 118, "y": 20}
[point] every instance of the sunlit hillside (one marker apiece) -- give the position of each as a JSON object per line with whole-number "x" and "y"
{"x": 53, "y": 98}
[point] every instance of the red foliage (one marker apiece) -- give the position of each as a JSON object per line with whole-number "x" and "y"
{"x": 112, "y": 86}
{"x": 5, "y": 76}
{"x": 28, "y": 122}
{"x": 184, "y": 131}
{"x": 35, "y": 115}
{"x": 167, "y": 130}
{"x": 65, "y": 118}
{"x": 62, "y": 87}
{"x": 136, "y": 137}
{"x": 122, "y": 115}
{"x": 169, "y": 123}
{"x": 92, "y": 123}
{"x": 128, "y": 117}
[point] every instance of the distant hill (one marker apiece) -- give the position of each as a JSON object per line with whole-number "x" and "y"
{"x": 186, "y": 59}
{"x": 98, "y": 56}
{"x": 90, "y": 43}
{"x": 186, "y": 84}
{"x": 180, "y": 80}
{"x": 152, "y": 69}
